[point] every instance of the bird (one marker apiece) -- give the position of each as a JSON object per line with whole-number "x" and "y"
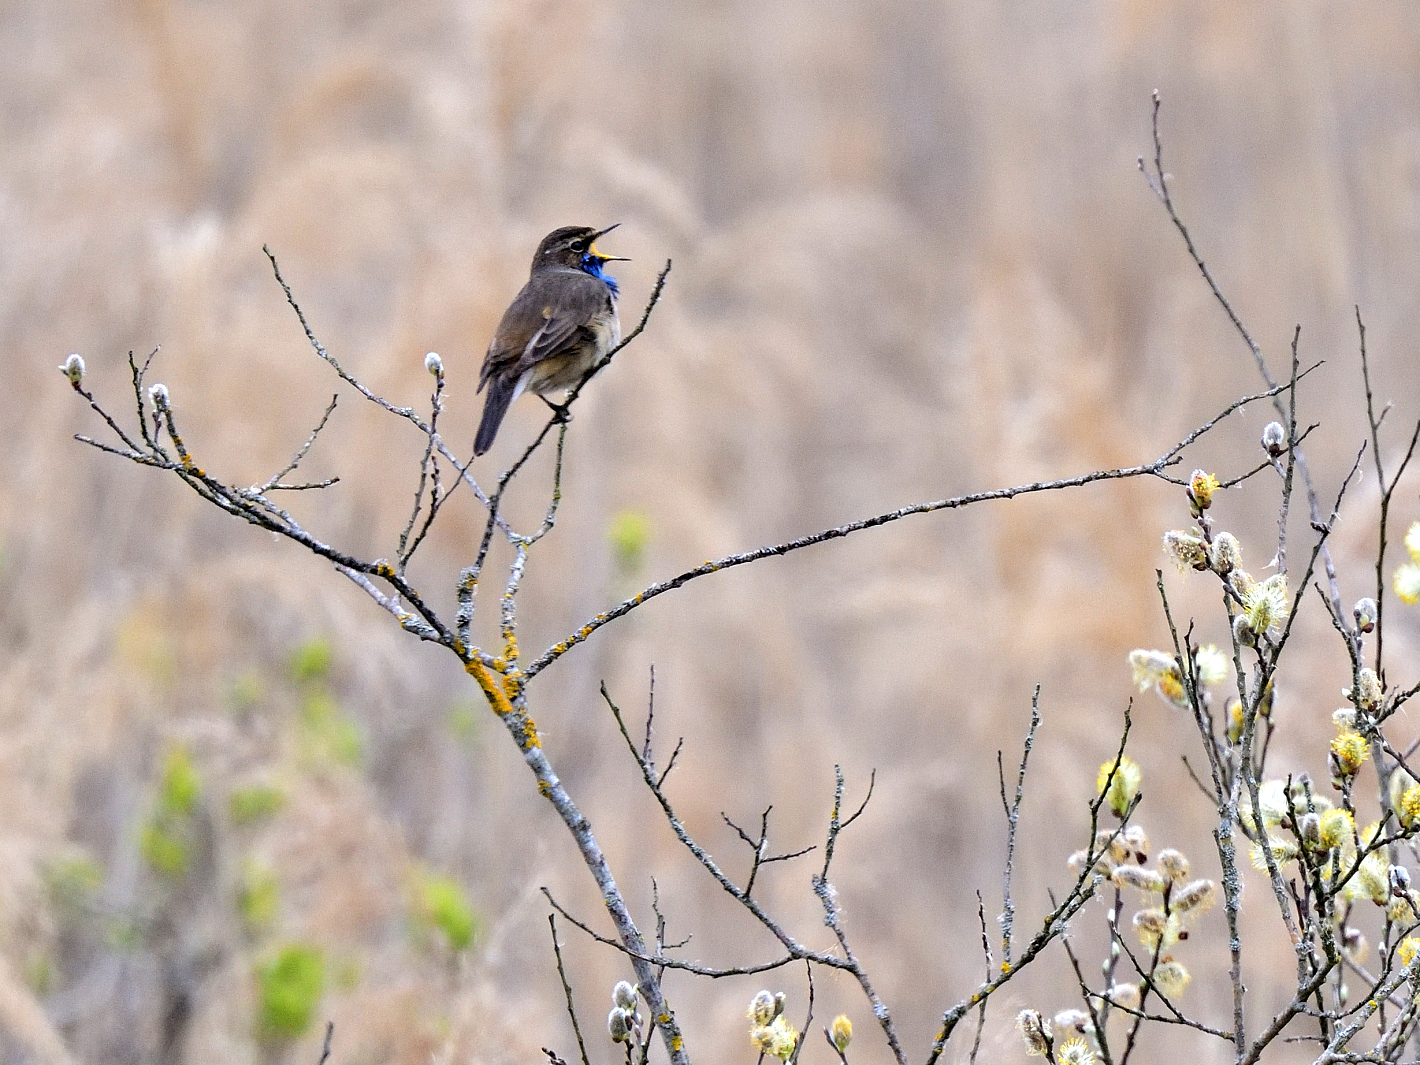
{"x": 555, "y": 330}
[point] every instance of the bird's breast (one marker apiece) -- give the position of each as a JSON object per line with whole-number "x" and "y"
{"x": 600, "y": 334}
{"x": 607, "y": 328}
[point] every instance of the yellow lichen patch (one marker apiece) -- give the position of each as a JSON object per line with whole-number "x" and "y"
{"x": 479, "y": 672}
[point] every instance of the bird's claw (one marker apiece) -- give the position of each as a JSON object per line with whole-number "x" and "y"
{"x": 559, "y": 410}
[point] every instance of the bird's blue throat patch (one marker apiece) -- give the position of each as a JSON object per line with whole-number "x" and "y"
{"x": 592, "y": 265}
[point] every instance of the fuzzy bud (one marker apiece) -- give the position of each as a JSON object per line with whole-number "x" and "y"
{"x": 159, "y": 395}
{"x": 1399, "y": 880}
{"x": 778, "y": 1039}
{"x": 1310, "y": 828}
{"x": 1173, "y": 864}
{"x": 1171, "y": 978}
{"x": 1103, "y": 864}
{"x": 1265, "y": 604}
{"x": 1187, "y": 550}
{"x": 1407, "y": 580}
{"x": 1195, "y": 897}
{"x": 1119, "y": 783}
{"x": 1075, "y": 1052}
{"x": 1280, "y": 849}
{"x": 1242, "y": 631}
{"x": 1153, "y": 926}
{"x": 618, "y": 1025}
{"x": 1201, "y": 487}
{"x": 1365, "y": 613}
{"x": 1126, "y": 995}
{"x": 1145, "y": 880}
{"x": 1137, "y": 840}
{"x": 73, "y": 369}
{"x": 1344, "y": 718}
{"x": 1274, "y": 439}
{"x": 1403, "y": 909}
{"x": 434, "y": 364}
{"x": 1227, "y": 553}
{"x": 1106, "y": 842}
{"x": 1035, "y": 1031}
{"x": 1408, "y": 808}
{"x": 1368, "y": 690}
{"x": 1336, "y": 828}
{"x": 761, "y": 1008}
{"x": 1348, "y": 751}
{"x": 624, "y": 995}
{"x": 841, "y": 1032}
{"x": 1212, "y": 664}
{"x": 1150, "y": 667}
{"x": 1409, "y": 947}
{"x": 1372, "y": 880}
{"x": 1072, "y": 1020}
{"x": 1236, "y": 721}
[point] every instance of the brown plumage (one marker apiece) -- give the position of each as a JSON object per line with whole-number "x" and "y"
{"x": 556, "y": 328}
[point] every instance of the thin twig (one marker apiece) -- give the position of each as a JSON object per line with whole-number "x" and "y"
{"x": 325, "y": 1046}
{"x": 990, "y": 966}
{"x": 1158, "y": 182}
{"x": 403, "y": 412}
{"x": 275, "y": 481}
{"x": 1013, "y": 816}
{"x": 567, "y": 989}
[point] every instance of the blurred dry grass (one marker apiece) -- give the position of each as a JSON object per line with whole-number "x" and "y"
{"x": 913, "y": 257}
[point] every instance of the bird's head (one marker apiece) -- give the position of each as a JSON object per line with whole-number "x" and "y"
{"x": 574, "y": 246}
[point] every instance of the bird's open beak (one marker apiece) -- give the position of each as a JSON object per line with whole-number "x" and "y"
{"x": 607, "y": 258}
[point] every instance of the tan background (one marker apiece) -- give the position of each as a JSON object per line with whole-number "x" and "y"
{"x": 913, "y": 257}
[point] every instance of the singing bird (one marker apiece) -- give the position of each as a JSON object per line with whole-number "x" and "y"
{"x": 556, "y": 328}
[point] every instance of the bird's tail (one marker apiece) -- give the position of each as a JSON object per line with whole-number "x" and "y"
{"x": 501, "y": 392}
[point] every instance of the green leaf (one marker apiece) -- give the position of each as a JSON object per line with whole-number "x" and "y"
{"x": 311, "y": 661}
{"x": 255, "y": 803}
{"x": 442, "y": 903}
{"x": 290, "y": 985}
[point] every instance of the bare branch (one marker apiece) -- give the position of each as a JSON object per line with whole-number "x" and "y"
{"x": 567, "y": 990}
{"x": 275, "y": 481}
{"x": 1152, "y": 469}
{"x": 1013, "y": 816}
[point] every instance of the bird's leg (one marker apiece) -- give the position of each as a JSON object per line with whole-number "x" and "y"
{"x": 558, "y": 409}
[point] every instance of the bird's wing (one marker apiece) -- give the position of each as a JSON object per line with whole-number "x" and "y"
{"x": 543, "y": 321}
